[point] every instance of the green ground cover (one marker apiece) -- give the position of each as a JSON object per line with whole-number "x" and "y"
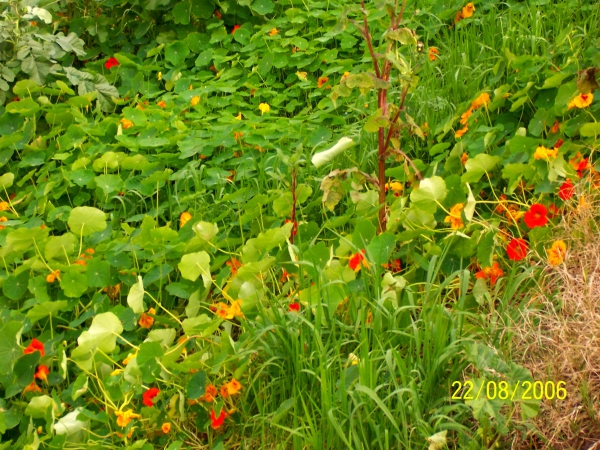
{"x": 194, "y": 259}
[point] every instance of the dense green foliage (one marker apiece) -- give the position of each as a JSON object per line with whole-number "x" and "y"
{"x": 153, "y": 156}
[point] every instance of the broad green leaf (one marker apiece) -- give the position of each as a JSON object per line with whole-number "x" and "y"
{"x": 60, "y": 247}
{"x": 38, "y": 405}
{"x": 193, "y": 265}
{"x": 16, "y": 285}
{"x": 86, "y": 220}
{"x": 135, "y": 298}
{"x": 430, "y": 191}
{"x": 74, "y": 284}
{"x": 42, "y": 310}
{"x": 98, "y": 273}
{"x": 322, "y": 158}
{"x": 102, "y": 334}
{"x": 206, "y": 230}
{"x": 478, "y": 166}
{"x": 590, "y": 129}
{"x": 23, "y": 238}
{"x": 176, "y": 52}
{"x": 263, "y": 7}
{"x": 9, "y": 348}
{"x": 381, "y": 247}
{"x": 6, "y": 180}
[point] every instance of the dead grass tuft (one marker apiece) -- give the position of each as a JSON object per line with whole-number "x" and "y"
{"x": 559, "y": 339}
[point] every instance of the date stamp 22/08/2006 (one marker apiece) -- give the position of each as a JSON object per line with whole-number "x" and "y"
{"x": 502, "y": 390}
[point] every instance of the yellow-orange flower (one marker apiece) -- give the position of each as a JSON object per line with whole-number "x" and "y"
{"x": 583, "y": 204}
{"x": 322, "y": 81}
{"x": 195, "y": 100}
{"x": 237, "y": 135}
{"x": 303, "y": 76}
{"x": 395, "y": 186}
{"x": 3, "y": 219}
{"x": 239, "y": 116}
{"x": 124, "y": 417}
{"x": 4, "y": 206}
{"x": 468, "y": 10}
{"x": 556, "y": 253}
{"x": 545, "y": 153}
{"x": 581, "y": 101}
{"x": 146, "y": 321}
{"x": 480, "y": 101}
{"x": 274, "y": 32}
{"x": 129, "y": 358}
{"x": 464, "y": 158}
{"x": 513, "y": 213}
{"x": 53, "y": 276}
{"x": 165, "y": 427}
{"x": 454, "y": 218}
{"x": 90, "y": 251}
{"x": 184, "y": 218}
{"x": 465, "y": 116}
{"x": 32, "y": 387}
{"x": 159, "y": 76}
{"x": 162, "y": 104}
{"x": 210, "y": 394}
{"x": 126, "y": 123}
{"x": 460, "y": 133}
{"x": 264, "y": 107}
{"x": 433, "y": 52}
{"x": 232, "y": 388}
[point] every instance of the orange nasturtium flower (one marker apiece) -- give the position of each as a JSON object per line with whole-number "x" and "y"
{"x": 165, "y": 427}
{"x": 468, "y": 10}
{"x": 234, "y": 265}
{"x": 210, "y": 394}
{"x": 184, "y": 218}
{"x": 3, "y": 219}
{"x": 556, "y": 253}
{"x": 233, "y": 387}
{"x": 264, "y": 107}
{"x": 433, "y": 52}
{"x": 195, "y": 100}
{"x": 42, "y": 372}
{"x": 124, "y": 417}
{"x": 454, "y": 218}
{"x": 4, "y": 206}
{"x": 581, "y": 101}
{"x": 237, "y": 135}
{"x": 464, "y": 158}
{"x": 162, "y": 104}
{"x": 32, "y": 387}
{"x": 480, "y": 101}
{"x": 274, "y": 32}
{"x": 465, "y": 116}
{"x": 493, "y": 273}
{"x": 53, "y": 276}
{"x": 216, "y": 422}
{"x": 129, "y": 358}
{"x": 146, "y": 321}
{"x": 395, "y": 186}
{"x": 460, "y": 133}
{"x": 322, "y": 81}
{"x": 555, "y": 127}
{"x": 126, "y": 123}
{"x": 545, "y": 153}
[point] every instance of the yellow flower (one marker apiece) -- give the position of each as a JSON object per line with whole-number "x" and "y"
{"x": 165, "y": 427}
{"x": 583, "y": 204}
{"x": 556, "y": 253}
{"x": 353, "y": 359}
{"x": 394, "y": 186}
{"x": 233, "y": 387}
{"x": 129, "y": 358}
{"x": 235, "y": 310}
{"x": 454, "y": 218}
{"x": 195, "y": 100}
{"x": 239, "y": 116}
{"x": 124, "y": 417}
{"x": 3, "y": 206}
{"x": 460, "y": 133}
{"x": 126, "y": 123}
{"x": 264, "y": 107}
{"x": 159, "y": 76}
{"x": 184, "y": 218}
{"x": 116, "y": 372}
{"x": 273, "y": 32}
{"x": 480, "y": 101}
{"x": 467, "y": 11}
{"x": 581, "y": 101}
{"x": 302, "y": 75}
{"x": 545, "y": 153}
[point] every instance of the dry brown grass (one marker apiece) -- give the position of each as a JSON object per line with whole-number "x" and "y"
{"x": 559, "y": 338}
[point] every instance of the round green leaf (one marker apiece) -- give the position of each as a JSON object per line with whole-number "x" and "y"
{"x": 177, "y": 52}
{"x": 74, "y": 284}
{"x": 85, "y": 220}
{"x": 193, "y": 265}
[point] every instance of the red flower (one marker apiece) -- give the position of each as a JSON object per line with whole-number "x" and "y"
{"x": 559, "y": 143}
{"x": 517, "y": 249}
{"x": 553, "y": 211}
{"x": 536, "y": 216}
{"x": 216, "y": 422}
{"x": 112, "y": 62}
{"x": 218, "y": 14}
{"x": 493, "y": 273}
{"x": 566, "y": 191}
{"x": 583, "y": 165}
{"x": 295, "y": 306}
{"x": 149, "y": 395}
{"x": 237, "y": 27}
{"x": 394, "y": 266}
{"x": 35, "y": 346}
{"x": 356, "y": 260}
